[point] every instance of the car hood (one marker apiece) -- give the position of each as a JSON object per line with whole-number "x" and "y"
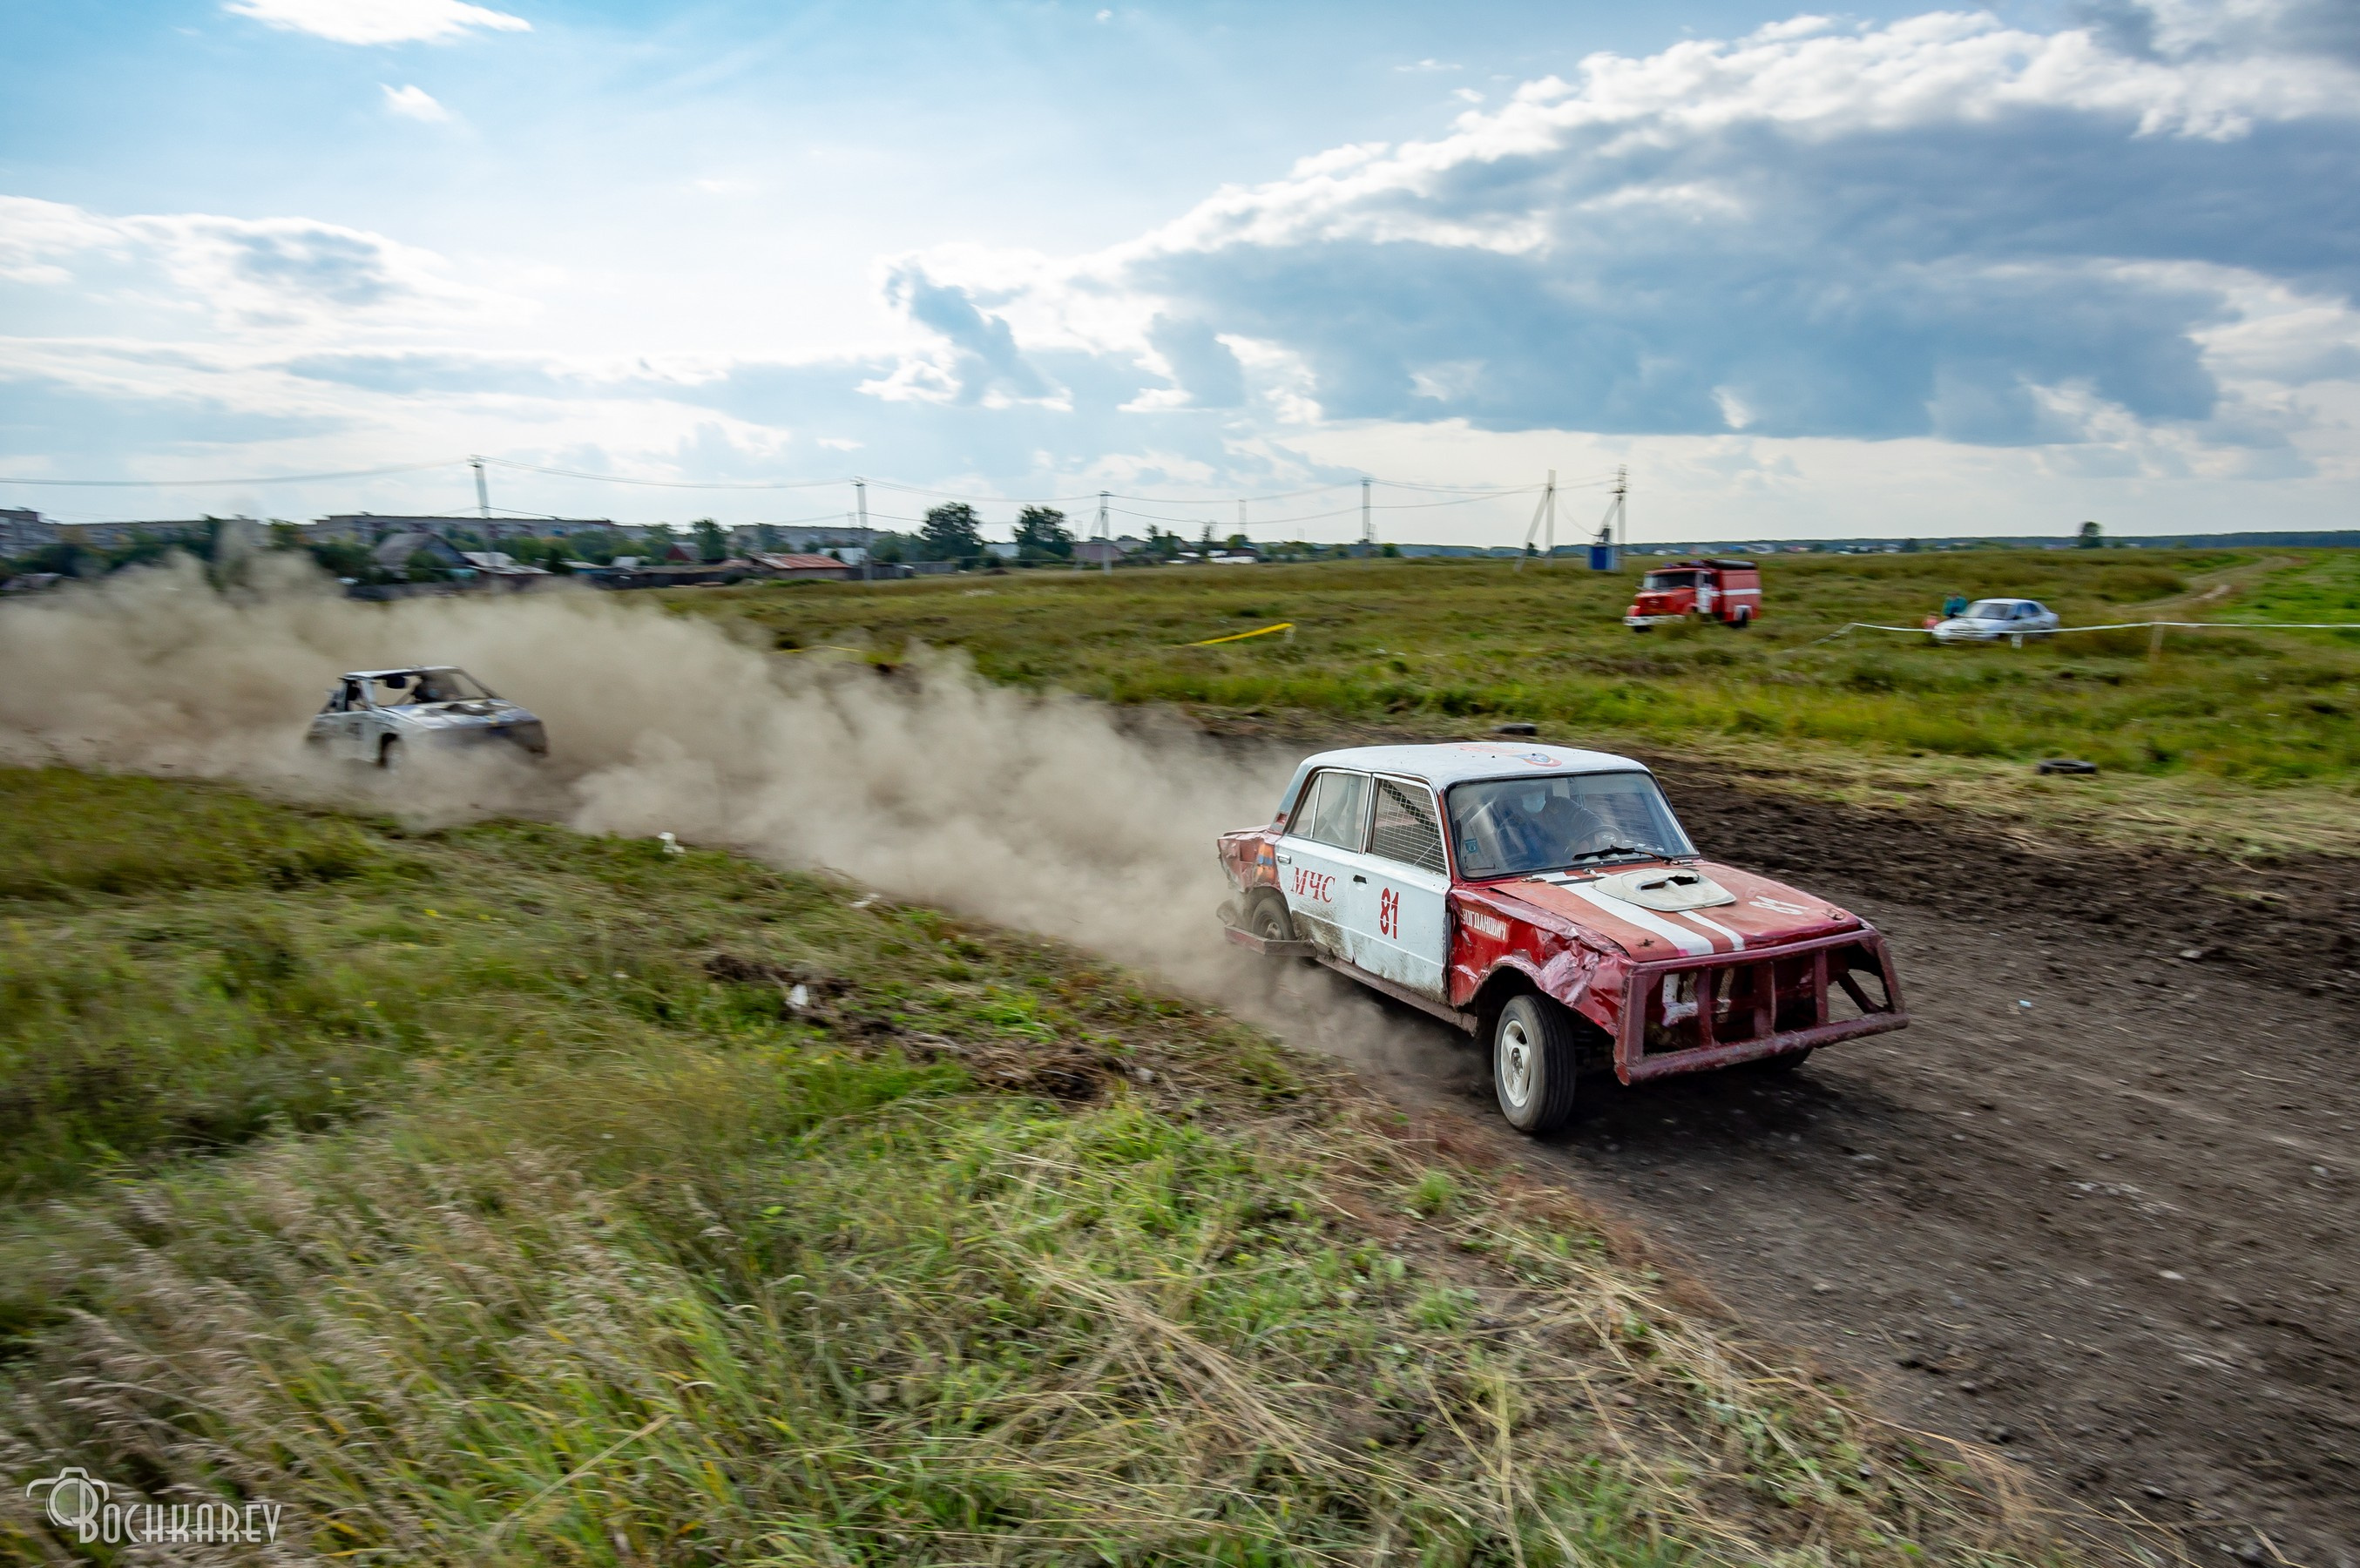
{"x": 1968, "y": 623}
{"x": 460, "y": 716}
{"x": 1762, "y": 913}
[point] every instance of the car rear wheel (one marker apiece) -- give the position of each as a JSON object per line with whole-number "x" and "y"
{"x": 1533, "y": 1063}
{"x": 1266, "y": 916}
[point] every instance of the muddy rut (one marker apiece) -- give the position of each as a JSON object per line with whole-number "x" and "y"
{"x": 2094, "y": 1210}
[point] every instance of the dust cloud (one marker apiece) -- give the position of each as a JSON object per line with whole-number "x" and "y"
{"x": 1033, "y": 811}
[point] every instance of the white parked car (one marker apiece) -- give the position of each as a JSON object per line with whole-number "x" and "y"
{"x": 384, "y": 716}
{"x": 1988, "y": 620}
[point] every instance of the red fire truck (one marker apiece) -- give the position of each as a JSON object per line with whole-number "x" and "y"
{"x": 1728, "y": 592}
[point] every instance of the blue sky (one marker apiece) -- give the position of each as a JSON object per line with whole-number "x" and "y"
{"x": 1892, "y": 270}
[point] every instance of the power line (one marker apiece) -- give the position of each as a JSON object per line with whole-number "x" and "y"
{"x": 668, "y": 484}
{"x": 1448, "y": 495}
{"x": 260, "y": 479}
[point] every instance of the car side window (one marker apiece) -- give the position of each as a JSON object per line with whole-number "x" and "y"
{"x": 1405, "y": 827}
{"x": 1338, "y": 813}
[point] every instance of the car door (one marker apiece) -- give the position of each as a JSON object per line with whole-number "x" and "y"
{"x": 1399, "y": 923}
{"x": 335, "y": 726}
{"x": 1319, "y": 854}
{"x": 370, "y": 725}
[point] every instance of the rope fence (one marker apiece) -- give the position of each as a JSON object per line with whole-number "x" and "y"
{"x": 1240, "y": 637}
{"x": 2158, "y": 627}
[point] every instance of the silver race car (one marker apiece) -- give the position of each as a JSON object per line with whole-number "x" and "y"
{"x": 1988, "y": 620}
{"x": 382, "y": 716}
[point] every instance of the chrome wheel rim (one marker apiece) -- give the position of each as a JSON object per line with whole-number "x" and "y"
{"x": 1515, "y": 1063}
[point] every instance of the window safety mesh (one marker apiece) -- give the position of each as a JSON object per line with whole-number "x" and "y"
{"x": 1404, "y": 828}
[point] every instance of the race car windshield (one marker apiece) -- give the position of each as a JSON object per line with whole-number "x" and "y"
{"x": 1509, "y": 827}
{"x": 1992, "y": 610}
{"x": 413, "y": 688}
{"x": 1659, "y": 580}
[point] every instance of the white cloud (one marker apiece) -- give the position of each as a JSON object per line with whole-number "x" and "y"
{"x": 1610, "y": 248}
{"x": 378, "y": 21}
{"x": 414, "y": 103}
{"x": 1430, "y": 65}
{"x": 246, "y": 273}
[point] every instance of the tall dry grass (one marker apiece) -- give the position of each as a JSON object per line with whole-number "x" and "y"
{"x": 626, "y": 1258}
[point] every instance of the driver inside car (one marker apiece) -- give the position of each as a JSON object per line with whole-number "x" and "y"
{"x": 1536, "y": 827}
{"x": 1568, "y": 828}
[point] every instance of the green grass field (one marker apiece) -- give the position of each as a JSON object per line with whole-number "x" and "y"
{"x": 2325, "y": 588}
{"x": 487, "y": 1197}
{"x": 1429, "y": 645}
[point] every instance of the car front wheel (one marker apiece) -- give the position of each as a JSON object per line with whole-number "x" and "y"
{"x": 1533, "y": 1063}
{"x": 389, "y": 754}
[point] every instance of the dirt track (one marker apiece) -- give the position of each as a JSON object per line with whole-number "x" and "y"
{"x": 2111, "y": 1233}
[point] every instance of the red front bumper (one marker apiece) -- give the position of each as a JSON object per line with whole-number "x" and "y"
{"x": 1690, "y": 1014}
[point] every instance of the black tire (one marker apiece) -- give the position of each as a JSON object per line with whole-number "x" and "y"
{"x": 389, "y": 754}
{"x": 1640, "y": 628}
{"x": 1533, "y": 1063}
{"x": 1774, "y": 1066}
{"x": 1740, "y": 620}
{"x": 1266, "y": 916}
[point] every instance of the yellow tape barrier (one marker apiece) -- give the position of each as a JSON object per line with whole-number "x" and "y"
{"x": 1240, "y": 637}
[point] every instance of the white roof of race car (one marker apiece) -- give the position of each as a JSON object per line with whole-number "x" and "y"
{"x": 1456, "y": 761}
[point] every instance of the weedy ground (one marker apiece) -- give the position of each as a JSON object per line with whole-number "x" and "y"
{"x": 503, "y": 1195}
{"x": 2228, "y": 734}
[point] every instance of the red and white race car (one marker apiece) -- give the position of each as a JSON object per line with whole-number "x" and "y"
{"x": 1546, "y": 900}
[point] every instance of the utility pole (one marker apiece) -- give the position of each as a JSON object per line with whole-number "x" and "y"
{"x": 1105, "y": 531}
{"x": 1606, "y": 550}
{"x": 1241, "y": 517}
{"x": 1546, "y": 510}
{"x": 867, "y": 539}
{"x": 1368, "y": 527}
{"x": 483, "y": 496}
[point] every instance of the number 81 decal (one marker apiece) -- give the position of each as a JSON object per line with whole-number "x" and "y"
{"x": 1389, "y": 913}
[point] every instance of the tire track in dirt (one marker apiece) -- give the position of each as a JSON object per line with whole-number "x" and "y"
{"x": 2109, "y": 1234}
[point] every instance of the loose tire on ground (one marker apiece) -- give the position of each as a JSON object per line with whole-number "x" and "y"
{"x": 1533, "y": 1063}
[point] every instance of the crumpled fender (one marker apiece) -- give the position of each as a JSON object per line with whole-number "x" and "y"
{"x": 1589, "y": 981}
{"x": 1249, "y": 859}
